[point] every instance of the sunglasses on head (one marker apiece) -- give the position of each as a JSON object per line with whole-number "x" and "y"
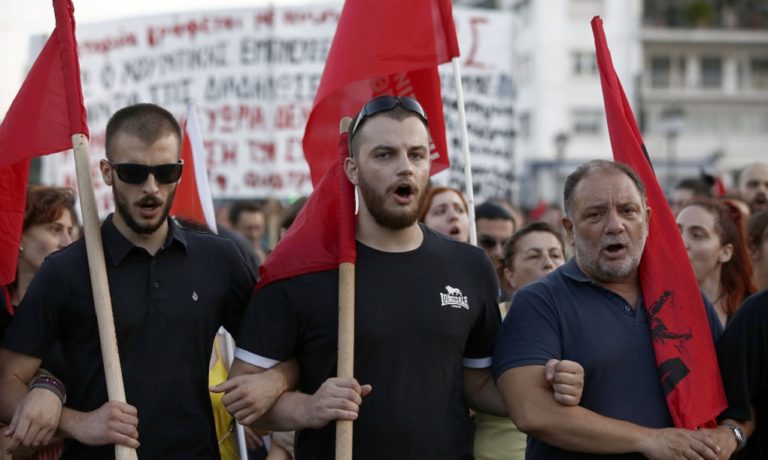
{"x": 133, "y": 173}
{"x": 384, "y": 104}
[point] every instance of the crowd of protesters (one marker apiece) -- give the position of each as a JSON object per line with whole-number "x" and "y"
{"x": 570, "y": 372}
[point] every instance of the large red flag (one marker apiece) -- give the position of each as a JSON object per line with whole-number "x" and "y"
{"x": 193, "y": 195}
{"x": 382, "y": 47}
{"x": 323, "y": 234}
{"x": 682, "y": 341}
{"x": 46, "y": 112}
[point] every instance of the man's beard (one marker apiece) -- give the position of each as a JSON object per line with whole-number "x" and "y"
{"x": 395, "y": 220}
{"x": 122, "y": 207}
{"x": 589, "y": 260}
{"x": 758, "y": 203}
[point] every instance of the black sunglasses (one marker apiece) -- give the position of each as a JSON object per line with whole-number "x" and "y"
{"x": 384, "y": 104}
{"x": 488, "y": 242}
{"x": 133, "y": 173}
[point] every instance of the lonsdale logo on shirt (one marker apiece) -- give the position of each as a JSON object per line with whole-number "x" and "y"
{"x": 454, "y": 298}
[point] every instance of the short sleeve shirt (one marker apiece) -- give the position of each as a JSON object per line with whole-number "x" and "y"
{"x": 421, "y": 317}
{"x": 167, "y": 309}
{"x": 567, "y": 316}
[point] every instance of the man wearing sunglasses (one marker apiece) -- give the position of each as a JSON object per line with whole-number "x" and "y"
{"x": 426, "y": 315}
{"x": 171, "y": 288}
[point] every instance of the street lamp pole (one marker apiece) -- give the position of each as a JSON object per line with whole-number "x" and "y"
{"x": 672, "y": 119}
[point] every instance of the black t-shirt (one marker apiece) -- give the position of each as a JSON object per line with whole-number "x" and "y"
{"x": 167, "y": 308}
{"x": 421, "y": 317}
{"x": 743, "y": 355}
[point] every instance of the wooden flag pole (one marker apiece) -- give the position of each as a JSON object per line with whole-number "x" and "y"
{"x": 470, "y": 191}
{"x": 99, "y": 282}
{"x": 346, "y": 359}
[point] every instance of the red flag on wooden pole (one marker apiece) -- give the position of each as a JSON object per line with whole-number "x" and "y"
{"x": 391, "y": 47}
{"x": 682, "y": 340}
{"x": 46, "y": 112}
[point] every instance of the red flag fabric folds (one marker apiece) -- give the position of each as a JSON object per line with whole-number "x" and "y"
{"x": 193, "y": 195}
{"x": 680, "y": 331}
{"x": 44, "y": 115}
{"x": 391, "y": 47}
{"x": 48, "y": 108}
{"x": 13, "y": 199}
{"x": 323, "y": 234}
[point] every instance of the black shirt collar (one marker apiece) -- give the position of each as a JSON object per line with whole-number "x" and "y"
{"x": 118, "y": 246}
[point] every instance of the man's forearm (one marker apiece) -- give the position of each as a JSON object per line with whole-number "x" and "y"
{"x": 69, "y": 421}
{"x": 481, "y": 393}
{"x": 287, "y": 414}
{"x": 574, "y": 428}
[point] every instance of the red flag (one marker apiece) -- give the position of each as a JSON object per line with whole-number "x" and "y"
{"x": 48, "y": 108}
{"x": 13, "y": 198}
{"x": 46, "y": 112}
{"x": 382, "y": 47}
{"x": 323, "y": 234}
{"x": 193, "y": 195}
{"x": 681, "y": 335}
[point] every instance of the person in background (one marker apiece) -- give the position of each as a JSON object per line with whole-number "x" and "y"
{"x": 517, "y": 214}
{"x": 533, "y": 252}
{"x": 48, "y": 226}
{"x": 753, "y": 186}
{"x": 742, "y": 352}
{"x": 446, "y": 212}
{"x": 757, "y": 238}
{"x": 248, "y": 219}
{"x": 289, "y": 215}
{"x": 495, "y": 227}
{"x": 714, "y": 238}
{"x": 686, "y": 190}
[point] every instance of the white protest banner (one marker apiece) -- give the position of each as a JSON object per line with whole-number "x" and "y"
{"x": 253, "y": 75}
{"x": 485, "y": 40}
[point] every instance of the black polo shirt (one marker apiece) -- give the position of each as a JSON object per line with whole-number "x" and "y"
{"x": 167, "y": 309}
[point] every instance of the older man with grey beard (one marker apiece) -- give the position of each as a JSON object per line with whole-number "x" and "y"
{"x": 590, "y": 310}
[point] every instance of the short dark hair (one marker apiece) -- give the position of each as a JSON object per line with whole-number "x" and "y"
{"x": 148, "y": 122}
{"x": 492, "y": 211}
{"x": 240, "y": 207}
{"x": 398, "y": 112}
{"x": 698, "y": 186}
{"x": 585, "y": 169}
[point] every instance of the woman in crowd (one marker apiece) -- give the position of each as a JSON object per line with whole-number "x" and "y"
{"x": 714, "y": 237}
{"x": 49, "y": 225}
{"x": 532, "y": 252}
{"x": 445, "y": 211}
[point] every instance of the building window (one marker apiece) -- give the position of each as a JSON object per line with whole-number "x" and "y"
{"x": 587, "y": 121}
{"x": 661, "y": 72}
{"x": 584, "y": 63}
{"x": 758, "y": 73}
{"x": 711, "y": 73}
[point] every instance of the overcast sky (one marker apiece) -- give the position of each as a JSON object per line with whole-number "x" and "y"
{"x": 21, "y": 18}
